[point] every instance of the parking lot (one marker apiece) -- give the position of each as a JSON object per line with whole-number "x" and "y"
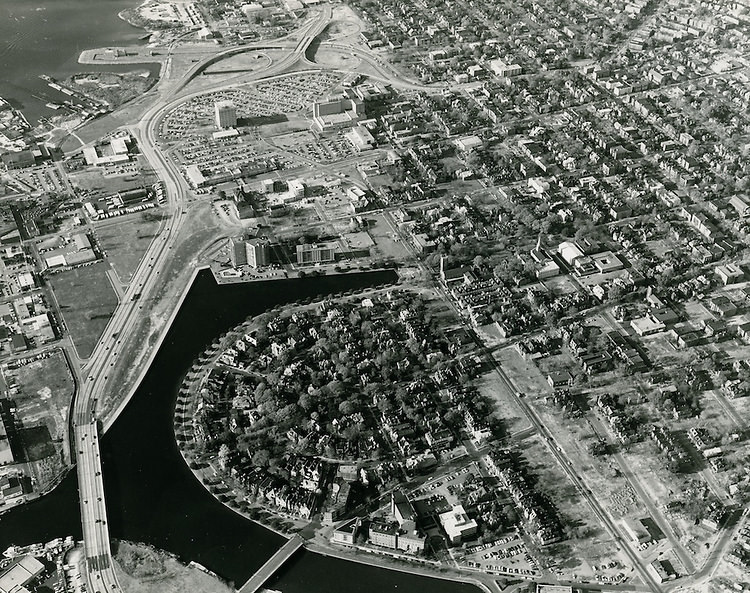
{"x": 287, "y": 94}
{"x": 43, "y": 179}
{"x": 321, "y": 150}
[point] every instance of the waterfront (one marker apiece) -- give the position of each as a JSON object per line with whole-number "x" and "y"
{"x": 152, "y": 496}
{"x": 46, "y": 37}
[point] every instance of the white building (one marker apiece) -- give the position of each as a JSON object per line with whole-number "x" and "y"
{"x": 225, "y": 114}
{"x": 502, "y": 69}
{"x": 457, "y": 524}
{"x": 569, "y": 251}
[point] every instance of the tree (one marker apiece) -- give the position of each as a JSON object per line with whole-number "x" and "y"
{"x": 261, "y": 458}
{"x": 347, "y": 407}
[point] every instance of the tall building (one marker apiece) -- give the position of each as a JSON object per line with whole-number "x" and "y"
{"x": 238, "y": 252}
{"x": 258, "y": 252}
{"x": 250, "y": 252}
{"x": 226, "y": 114}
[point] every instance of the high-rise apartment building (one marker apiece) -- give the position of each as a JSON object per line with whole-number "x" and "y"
{"x": 226, "y": 114}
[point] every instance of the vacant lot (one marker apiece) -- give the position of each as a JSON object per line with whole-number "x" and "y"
{"x": 134, "y": 175}
{"x": 144, "y": 570}
{"x": 125, "y": 240}
{"x": 41, "y": 392}
{"x": 388, "y": 243}
{"x": 87, "y": 301}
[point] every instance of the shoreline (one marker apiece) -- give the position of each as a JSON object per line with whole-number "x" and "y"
{"x": 122, "y": 16}
{"x": 189, "y": 389}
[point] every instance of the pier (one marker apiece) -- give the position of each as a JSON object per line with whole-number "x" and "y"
{"x": 273, "y": 564}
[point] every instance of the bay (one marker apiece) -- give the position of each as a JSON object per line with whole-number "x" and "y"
{"x": 46, "y": 37}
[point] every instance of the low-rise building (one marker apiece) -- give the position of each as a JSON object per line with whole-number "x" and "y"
{"x": 457, "y": 524}
{"x": 20, "y": 574}
{"x": 347, "y": 533}
{"x": 312, "y": 253}
{"x": 729, "y": 273}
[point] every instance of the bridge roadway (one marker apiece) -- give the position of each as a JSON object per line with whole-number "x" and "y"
{"x": 122, "y": 326}
{"x": 101, "y": 571}
{"x": 273, "y": 564}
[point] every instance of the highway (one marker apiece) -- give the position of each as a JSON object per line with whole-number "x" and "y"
{"x": 309, "y": 31}
{"x": 101, "y": 575}
{"x": 124, "y": 322}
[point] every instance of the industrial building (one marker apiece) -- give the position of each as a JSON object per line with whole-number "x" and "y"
{"x": 23, "y": 572}
{"x": 116, "y": 151}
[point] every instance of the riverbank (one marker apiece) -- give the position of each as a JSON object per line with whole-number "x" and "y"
{"x": 212, "y": 472}
{"x": 142, "y": 568}
{"x": 112, "y": 88}
{"x": 187, "y": 405}
{"x": 487, "y": 585}
{"x": 204, "y": 472}
{"x": 134, "y": 17}
{"x": 153, "y": 497}
{"x": 113, "y": 56}
{"x": 46, "y": 38}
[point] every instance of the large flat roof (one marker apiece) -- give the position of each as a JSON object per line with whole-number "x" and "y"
{"x": 14, "y": 579}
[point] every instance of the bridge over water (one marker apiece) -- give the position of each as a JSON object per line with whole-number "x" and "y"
{"x": 273, "y": 564}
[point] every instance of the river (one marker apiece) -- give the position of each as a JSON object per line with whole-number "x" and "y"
{"x": 153, "y": 497}
{"x": 46, "y": 37}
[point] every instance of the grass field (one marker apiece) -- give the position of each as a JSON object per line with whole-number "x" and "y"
{"x": 87, "y": 301}
{"x": 125, "y": 240}
{"x": 144, "y": 570}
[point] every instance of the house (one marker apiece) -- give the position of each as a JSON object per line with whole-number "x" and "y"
{"x": 743, "y": 331}
{"x": 714, "y": 328}
{"x": 559, "y": 379}
{"x": 722, "y": 306}
{"x": 741, "y": 204}
{"x": 423, "y": 243}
